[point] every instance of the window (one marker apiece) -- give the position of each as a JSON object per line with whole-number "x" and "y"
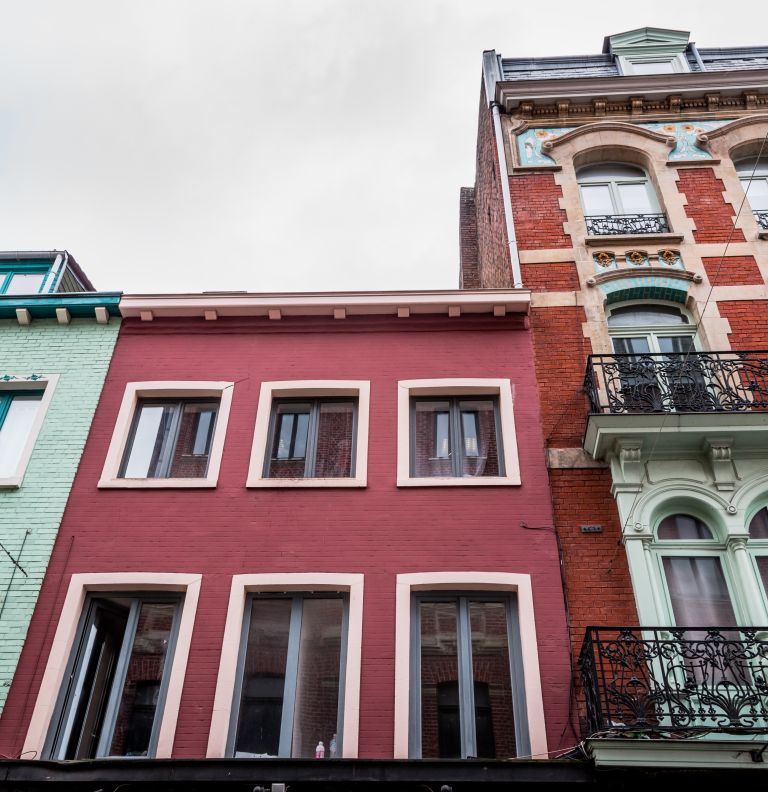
{"x": 650, "y": 64}
{"x": 311, "y": 438}
{"x": 168, "y": 434}
{"x": 311, "y": 433}
{"x": 758, "y": 545}
{"x": 455, "y": 437}
{"x": 117, "y": 677}
{"x": 616, "y": 189}
{"x": 170, "y": 439}
{"x": 465, "y": 656}
{"x": 17, "y": 279}
{"x": 753, "y": 174}
{"x": 456, "y": 432}
{"x": 290, "y": 678}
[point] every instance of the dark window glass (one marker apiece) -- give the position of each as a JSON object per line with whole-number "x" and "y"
{"x": 683, "y": 526}
{"x": 758, "y": 528}
{"x": 170, "y": 439}
{"x": 698, "y": 591}
{"x": 312, "y": 439}
{"x": 455, "y": 437}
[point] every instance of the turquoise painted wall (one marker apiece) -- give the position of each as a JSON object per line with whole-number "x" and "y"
{"x": 80, "y": 353}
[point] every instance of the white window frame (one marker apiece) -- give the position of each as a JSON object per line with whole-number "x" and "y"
{"x": 509, "y": 582}
{"x": 34, "y": 382}
{"x": 310, "y": 389}
{"x": 66, "y": 633}
{"x": 613, "y": 184}
{"x": 500, "y": 388}
{"x": 679, "y": 63}
{"x": 135, "y": 391}
{"x": 242, "y": 585}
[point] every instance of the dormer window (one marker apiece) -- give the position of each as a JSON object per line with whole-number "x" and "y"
{"x": 649, "y": 51}
{"x": 675, "y": 64}
{"x": 21, "y": 279}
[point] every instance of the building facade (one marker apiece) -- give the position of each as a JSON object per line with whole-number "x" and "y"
{"x": 305, "y": 524}
{"x": 628, "y": 191}
{"x": 56, "y": 341}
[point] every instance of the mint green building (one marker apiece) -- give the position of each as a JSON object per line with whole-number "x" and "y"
{"x": 56, "y": 340}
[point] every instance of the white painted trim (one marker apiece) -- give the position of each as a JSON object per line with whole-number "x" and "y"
{"x": 361, "y": 389}
{"x": 158, "y": 390}
{"x": 468, "y": 581}
{"x": 48, "y": 383}
{"x": 66, "y": 631}
{"x": 284, "y": 581}
{"x": 457, "y": 386}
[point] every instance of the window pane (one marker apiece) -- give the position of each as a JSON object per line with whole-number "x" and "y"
{"x": 333, "y": 454}
{"x": 634, "y": 316}
{"x": 762, "y": 566}
{"x": 261, "y": 700}
{"x": 289, "y": 444}
{"x": 141, "y": 690}
{"x": 757, "y": 192}
{"x": 193, "y": 443}
{"x": 597, "y": 200}
{"x": 479, "y": 418}
{"x": 150, "y": 441}
{"x": 440, "y": 715}
{"x": 683, "y": 526}
{"x": 631, "y": 346}
{"x": 25, "y": 283}
{"x": 653, "y": 67}
{"x": 676, "y": 344}
{"x": 316, "y": 709}
{"x": 494, "y": 718}
{"x": 431, "y": 453}
{"x": 635, "y": 199}
{"x": 15, "y": 430}
{"x": 698, "y": 592}
{"x": 758, "y": 527}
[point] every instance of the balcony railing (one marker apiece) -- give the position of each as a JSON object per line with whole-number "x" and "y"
{"x": 761, "y": 215}
{"x": 676, "y": 679}
{"x": 677, "y": 382}
{"x": 599, "y": 225}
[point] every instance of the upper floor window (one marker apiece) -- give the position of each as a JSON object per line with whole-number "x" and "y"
{"x": 619, "y": 199}
{"x": 753, "y": 174}
{"x": 758, "y": 545}
{"x": 18, "y": 410}
{"x": 16, "y": 278}
{"x": 643, "y": 329}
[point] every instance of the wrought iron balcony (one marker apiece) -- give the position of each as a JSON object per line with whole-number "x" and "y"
{"x": 599, "y": 225}
{"x": 676, "y": 679}
{"x": 761, "y": 215}
{"x": 677, "y": 382}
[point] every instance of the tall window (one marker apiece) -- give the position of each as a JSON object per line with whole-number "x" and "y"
{"x": 18, "y": 410}
{"x": 118, "y": 674}
{"x": 311, "y": 438}
{"x": 753, "y": 174}
{"x": 170, "y": 438}
{"x": 758, "y": 545}
{"x": 616, "y": 189}
{"x": 455, "y": 437}
{"x": 290, "y": 677}
{"x": 466, "y": 677}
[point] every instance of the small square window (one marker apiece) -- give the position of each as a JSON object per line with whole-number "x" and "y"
{"x": 168, "y": 434}
{"x": 311, "y": 434}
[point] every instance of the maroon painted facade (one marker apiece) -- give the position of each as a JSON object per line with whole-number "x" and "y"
{"x": 380, "y": 530}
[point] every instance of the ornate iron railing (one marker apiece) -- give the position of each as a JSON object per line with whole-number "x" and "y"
{"x": 677, "y": 382}
{"x": 667, "y": 679}
{"x": 598, "y": 225}
{"x": 761, "y": 215}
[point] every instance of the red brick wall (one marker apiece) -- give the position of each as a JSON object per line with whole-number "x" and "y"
{"x": 707, "y": 207}
{"x": 732, "y": 270}
{"x": 469, "y": 274}
{"x": 749, "y": 322}
{"x": 536, "y": 209}
{"x": 560, "y": 276}
{"x": 379, "y": 531}
{"x": 561, "y": 353}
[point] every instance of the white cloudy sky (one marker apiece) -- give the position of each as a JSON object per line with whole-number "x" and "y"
{"x": 189, "y": 145}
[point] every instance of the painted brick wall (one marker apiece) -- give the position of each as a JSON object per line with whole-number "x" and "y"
{"x": 560, "y": 276}
{"x": 732, "y": 270}
{"x": 707, "y": 207}
{"x": 748, "y": 320}
{"x": 378, "y": 531}
{"x": 30, "y": 516}
{"x": 536, "y": 208}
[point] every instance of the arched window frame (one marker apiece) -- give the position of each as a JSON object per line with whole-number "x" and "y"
{"x": 653, "y": 332}
{"x": 614, "y": 181}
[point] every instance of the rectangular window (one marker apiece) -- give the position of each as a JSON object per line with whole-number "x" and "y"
{"x": 29, "y": 282}
{"x": 311, "y": 438}
{"x": 170, "y": 438}
{"x": 18, "y": 411}
{"x": 289, "y": 692}
{"x": 457, "y": 437}
{"x": 466, "y": 678}
{"x": 117, "y": 678}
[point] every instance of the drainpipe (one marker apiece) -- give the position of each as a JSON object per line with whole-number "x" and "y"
{"x": 491, "y": 75}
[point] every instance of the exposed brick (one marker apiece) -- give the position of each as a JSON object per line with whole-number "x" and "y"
{"x": 748, "y": 320}
{"x": 732, "y": 270}
{"x": 538, "y": 216}
{"x": 469, "y": 272}
{"x": 560, "y": 276}
{"x": 707, "y": 207}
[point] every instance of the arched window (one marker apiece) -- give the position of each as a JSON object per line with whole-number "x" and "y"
{"x": 758, "y": 544}
{"x": 753, "y": 174}
{"x": 619, "y": 198}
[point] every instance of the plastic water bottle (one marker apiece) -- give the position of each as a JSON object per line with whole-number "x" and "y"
{"x": 332, "y": 748}
{"x": 320, "y": 751}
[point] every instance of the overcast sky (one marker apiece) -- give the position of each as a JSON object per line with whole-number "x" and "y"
{"x": 271, "y": 145}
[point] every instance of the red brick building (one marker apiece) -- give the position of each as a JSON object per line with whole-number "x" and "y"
{"x": 613, "y": 186}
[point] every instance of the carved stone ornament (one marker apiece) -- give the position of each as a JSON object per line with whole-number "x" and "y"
{"x": 669, "y": 257}
{"x": 636, "y": 257}
{"x": 604, "y": 259}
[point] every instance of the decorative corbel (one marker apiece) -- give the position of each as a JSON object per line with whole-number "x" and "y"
{"x": 719, "y": 455}
{"x": 627, "y": 465}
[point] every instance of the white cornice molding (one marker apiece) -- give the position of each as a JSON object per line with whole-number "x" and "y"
{"x": 495, "y": 302}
